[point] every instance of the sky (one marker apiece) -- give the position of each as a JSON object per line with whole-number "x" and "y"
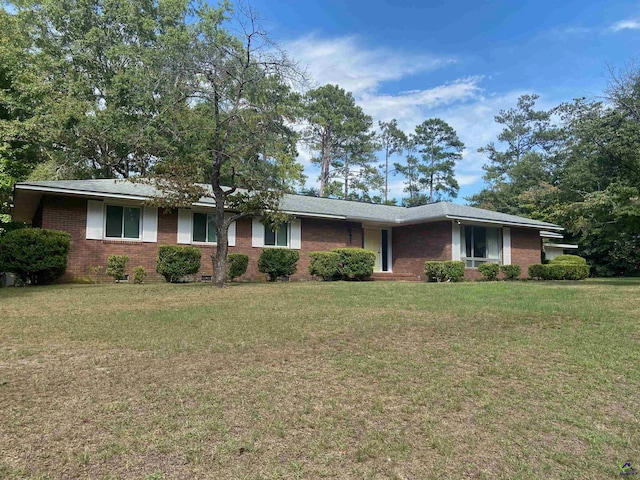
{"x": 462, "y": 61}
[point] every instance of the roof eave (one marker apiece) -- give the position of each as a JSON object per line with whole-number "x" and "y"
{"x": 505, "y": 222}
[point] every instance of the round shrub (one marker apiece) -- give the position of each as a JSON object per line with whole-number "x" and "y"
{"x": 434, "y": 270}
{"x": 453, "y": 270}
{"x": 575, "y": 259}
{"x": 489, "y": 271}
{"x": 511, "y": 271}
{"x": 174, "y": 262}
{"x": 325, "y": 265}
{"x": 116, "y": 265}
{"x": 355, "y": 263}
{"x": 36, "y": 255}
{"x": 139, "y": 275}
{"x": 278, "y": 262}
{"x": 237, "y": 264}
{"x": 536, "y": 270}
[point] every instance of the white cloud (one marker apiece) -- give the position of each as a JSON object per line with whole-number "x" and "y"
{"x": 462, "y": 102}
{"x": 357, "y": 69}
{"x": 629, "y": 24}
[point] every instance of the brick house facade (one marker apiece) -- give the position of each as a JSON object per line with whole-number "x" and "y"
{"x": 407, "y": 246}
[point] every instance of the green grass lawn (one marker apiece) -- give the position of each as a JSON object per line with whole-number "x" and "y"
{"x": 320, "y": 380}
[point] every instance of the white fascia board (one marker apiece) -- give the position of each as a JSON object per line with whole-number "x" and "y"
{"x": 82, "y": 193}
{"x": 500, "y": 222}
{"x": 566, "y": 246}
{"x": 544, "y": 234}
{"x": 315, "y": 215}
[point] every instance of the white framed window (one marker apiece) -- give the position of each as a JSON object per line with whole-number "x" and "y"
{"x": 199, "y": 227}
{"x": 288, "y": 235}
{"x": 122, "y": 222}
{"x": 204, "y": 228}
{"x": 479, "y": 245}
{"x": 276, "y": 238}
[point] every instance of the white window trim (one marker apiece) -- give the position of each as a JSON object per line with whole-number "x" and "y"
{"x": 194, "y": 242}
{"x": 264, "y": 235}
{"x": 231, "y": 232}
{"x": 122, "y": 239}
{"x": 465, "y": 259}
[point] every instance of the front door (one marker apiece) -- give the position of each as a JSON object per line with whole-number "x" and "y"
{"x": 376, "y": 240}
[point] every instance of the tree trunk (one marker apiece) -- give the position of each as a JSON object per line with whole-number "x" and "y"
{"x": 346, "y": 177}
{"x": 219, "y": 277}
{"x": 325, "y": 163}
{"x": 386, "y": 175}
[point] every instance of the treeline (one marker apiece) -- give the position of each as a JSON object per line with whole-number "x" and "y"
{"x": 98, "y": 89}
{"x": 109, "y": 89}
{"x": 577, "y": 165}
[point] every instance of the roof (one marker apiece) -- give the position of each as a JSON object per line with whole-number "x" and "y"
{"x": 299, "y": 205}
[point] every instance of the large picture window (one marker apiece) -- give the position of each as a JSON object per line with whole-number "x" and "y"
{"x": 479, "y": 245}
{"x": 276, "y": 238}
{"x": 204, "y": 228}
{"x": 122, "y": 222}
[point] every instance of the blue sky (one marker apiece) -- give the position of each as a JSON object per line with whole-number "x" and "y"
{"x": 460, "y": 61}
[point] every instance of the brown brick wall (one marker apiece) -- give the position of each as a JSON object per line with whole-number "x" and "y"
{"x": 526, "y": 248}
{"x": 69, "y": 214}
{"x": 413, "y": 244}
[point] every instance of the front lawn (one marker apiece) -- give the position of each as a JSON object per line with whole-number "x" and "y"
{"x": 320, "y": 380}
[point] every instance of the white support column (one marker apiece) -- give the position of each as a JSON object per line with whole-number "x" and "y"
{"x": 506, "y": 246}
{"x": 455, "y": 240}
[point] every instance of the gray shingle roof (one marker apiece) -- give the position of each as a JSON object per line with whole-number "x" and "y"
{"x": 311, "y": 206}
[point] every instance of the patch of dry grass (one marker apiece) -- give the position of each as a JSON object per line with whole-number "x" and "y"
{"x": 320, "y": 380}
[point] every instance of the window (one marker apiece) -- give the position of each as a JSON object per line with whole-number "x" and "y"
{"x": 204, "y": 228}
{"x": 479, "y": 245}
{"x": 122, "y": 222}
{"x": 277, "y": 238}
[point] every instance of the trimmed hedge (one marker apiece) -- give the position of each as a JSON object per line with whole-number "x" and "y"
{"x": 434, "y": 271}
{"x": 536, "y": 271}
{"x": 355, "y": 263}
{"x": 489, "y": 271}
{"x": 174, "y": 262}
{"x": 450, "y": 270}
{"x": 325, "y": 265}
{"x": 559, "y": 271}
{"x": 278, "y": 262}
{"x": 116, "y": 265}
{"x": 574, "y": 259}
{"x": 34, "y": 254}
{"x": 237, "y": 264}
{"x": 511, "y": 271}
{"x": 454, "y": 270}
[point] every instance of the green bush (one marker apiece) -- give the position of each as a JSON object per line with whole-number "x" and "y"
{"x": 116, "y": 265}
{"x": 174, "y": 262}
{"x": 325, "y": 265}
{"x": 35, "y": 254}
{"x": 574, "y": 259}
{"x": 139, "y": 275}
{"x": 237, "y": 264}
{"x": 489, "y": 271}
{"x": 434, "y": 271}
{"x": 355, "y": 263}
{"x": 453, "y": 270}
{"x": 536, "y": 271}
{"x": 511, "y": 271}
{"x": 278, "y": 262}
{"x": 559, "y": 271}
{"x": 565, "y": 271}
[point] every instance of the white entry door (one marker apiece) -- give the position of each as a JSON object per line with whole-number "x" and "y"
{"x": 373, "y": 242}
{"x": 379, "y": 242}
